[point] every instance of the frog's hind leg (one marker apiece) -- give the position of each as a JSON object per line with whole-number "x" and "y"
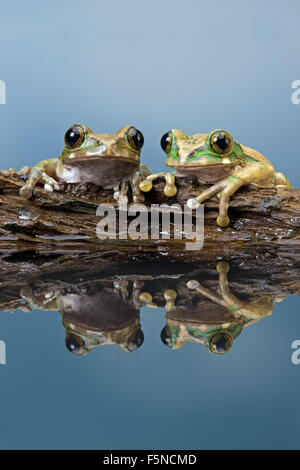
{"x": 281, "y": 180}
{"x": 170, "y": 187}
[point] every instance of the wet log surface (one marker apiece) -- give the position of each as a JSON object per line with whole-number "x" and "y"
{"x": 263, "y": 274}
{"x": 266, "y": 219}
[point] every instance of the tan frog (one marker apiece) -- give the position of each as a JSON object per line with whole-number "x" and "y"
{"x": 107, "y": 160}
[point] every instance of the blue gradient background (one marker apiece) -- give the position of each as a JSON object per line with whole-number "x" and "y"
{"x": 193, "y": 65}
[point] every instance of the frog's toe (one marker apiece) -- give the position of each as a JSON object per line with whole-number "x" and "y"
{"x": 193, "y": 284}
{"x": 26, "y": 191}
{"x": 48, "y": 187}
{"x": 223, "y": 267}
{"x": 50, "y": 183}
{"x": 170, "y": 190}
{"x": 26, "y": 293}
{"x": 123, "y": 200}
{"x": 193, "y": 203}
{"x": 145, "y": 186}
{"x": 223, "y": 221}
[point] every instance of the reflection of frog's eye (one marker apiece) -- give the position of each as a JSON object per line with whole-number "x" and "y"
{"x": 166, "y": 142}
{"x": 75, "y": 344}
{"x": 135, "y": 138}
{"x": 220, "y": 343}
{"x": 165, "y": 336}
{"x": 221, "y": 142}
{"x": 74, "y": 136}
{"x": 136, "y": 340}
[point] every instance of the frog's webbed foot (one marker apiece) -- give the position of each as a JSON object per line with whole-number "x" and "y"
{"x": 36, "y": 174}
{"x": 170, "y": 189}
{"x": 225, "y": 188}
{"x": 32, "y": 302}
{"x": 122, "y": 288}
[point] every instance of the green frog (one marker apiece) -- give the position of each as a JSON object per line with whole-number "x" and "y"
{"x": 215, "y": 322}
{"x": 107, "y": 160}
{"x": 218, "y": 159}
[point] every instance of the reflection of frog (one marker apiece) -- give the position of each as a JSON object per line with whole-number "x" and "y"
{"x": 108, "y": 160}
{"x": 216, "y": 324}
{"x": 94, "y": 315}
{"x": 215, "y": 158}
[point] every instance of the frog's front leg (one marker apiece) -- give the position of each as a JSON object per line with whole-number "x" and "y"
{"x": 43, "y": 171}
{"x": 170, "y": 189}
{"x": 224, "y": 298}
{"x": 23, "y": 172}
{"x": 120, "y": 192}
{"x": 256, "y": 173}
{"x": 136, "y": 180}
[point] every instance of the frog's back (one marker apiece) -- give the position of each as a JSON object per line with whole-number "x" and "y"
{"x": 255, "y": 154}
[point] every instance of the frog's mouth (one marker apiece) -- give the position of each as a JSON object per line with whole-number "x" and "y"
{"x": 190, "y": 166}
{"x": 99, "y": 156}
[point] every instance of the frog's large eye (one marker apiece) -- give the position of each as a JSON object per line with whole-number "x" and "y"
{"x": 221, "y": 142}
{"x": 136, "y": 340}
{"x": 75, "y": 344}
{"x": 166, "y": 142}
{"x": 165, "y": 336}
{"x": 135, "y": 138}
{"x": 220, "y": 343}
{"x": 74, "y": 136}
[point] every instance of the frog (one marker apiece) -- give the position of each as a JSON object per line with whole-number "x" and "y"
{"x": 107, "y": 160}
{"x": 94, "y": 313}
{"x": 218, "y": 319}
{"x": 215, "y": 158}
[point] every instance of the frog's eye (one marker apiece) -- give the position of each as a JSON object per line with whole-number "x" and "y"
{"x": 74, "y": 136}
{"x": 166, "y": 142}
{"x": 135, "y": 138}
{"x": 165, "y": 336}
{"x": 75, "y": 344}
{"x": 220, "y": 343}
{"x": 221, "y": 142}
{"x": 136, "y": 340}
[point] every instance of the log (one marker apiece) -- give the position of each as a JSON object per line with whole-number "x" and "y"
{"x": 261, "y": 218}
{"x": 84, "y": 272}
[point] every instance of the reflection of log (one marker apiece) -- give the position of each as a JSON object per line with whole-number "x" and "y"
{"x": 265, "y": 275}
{"x": 260, "y": 217}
